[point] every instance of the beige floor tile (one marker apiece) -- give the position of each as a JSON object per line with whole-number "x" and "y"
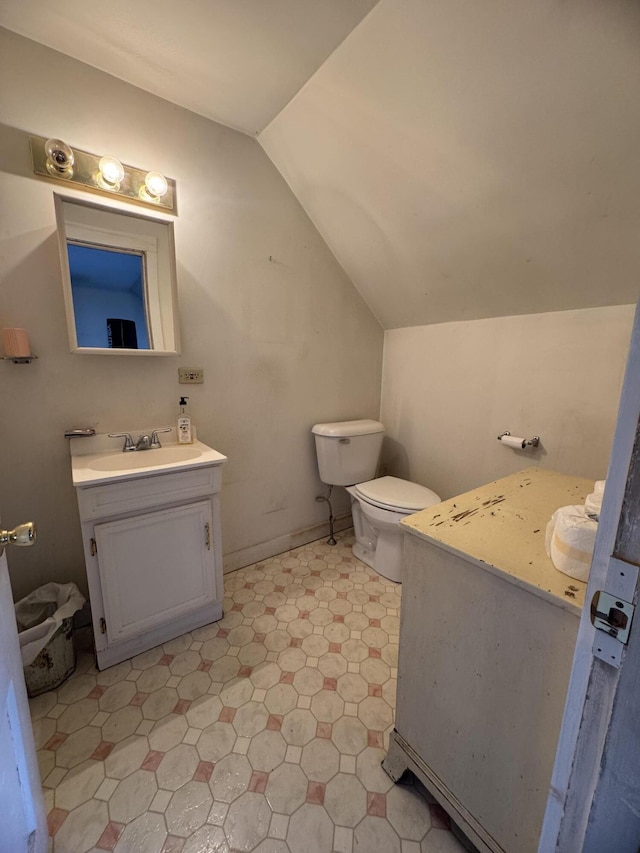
{"x": 133, "y": 796}
{"x": 345, "y": 800}
{"x": 441, "y": 841}
{"x": 79, "y": 785}
{"x": 280, "y": 699}
{"x": 122, "y": 724}
{"x": 320, "y": 760}
{"x": 76, "y": 689}
{"x": 204, "y": 711}
{"x": 189, "y": 809}
{"x": 298, "y": 727}
{"x": 376, "y": 835}
{"x": 311, "y": 821}
{"x": 231, "y": 777}
{"x": 43, "y": 729}
{"x": 286, "y": 789}
{"x": 216, "y": 741}
{"x": 177, "y": 767}
{"x": 343, "y": 840}
{"x": 160, "y": 703}
{"x": 279, "y": 826}
{"x": 247, "y": 822}
{"x": 168, "y": 732}
{"x": 250, "y": 719}
{"x": 207, "y": 838}
{"x": 78, "y": 747}
{"x": 327, "y": 706}
{"x": 406, "y": 812}
{"x": 152, "y": 678}
{"x": 82, "y": 828}
{"x": 146, "y": 834}
{"x": 40, "y": 706}
{"x": 267, "y": 750}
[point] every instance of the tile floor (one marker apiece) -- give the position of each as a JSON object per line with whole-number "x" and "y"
{"x": 262, "y": 732}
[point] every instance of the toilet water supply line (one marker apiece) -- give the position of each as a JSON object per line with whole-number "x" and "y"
{"x": 321, "y": 499}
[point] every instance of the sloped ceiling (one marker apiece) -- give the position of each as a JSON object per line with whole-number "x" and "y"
{"x": 237, "y": 62}
{"x": 469, "y": 159}
{"x": 462, "y": 159}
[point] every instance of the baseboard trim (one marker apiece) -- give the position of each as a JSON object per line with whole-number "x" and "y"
{"x": 264, "y": 550}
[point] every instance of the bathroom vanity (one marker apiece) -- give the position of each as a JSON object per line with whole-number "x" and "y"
{"x": 487, "y": 636}
{"x": 151, "y": 534}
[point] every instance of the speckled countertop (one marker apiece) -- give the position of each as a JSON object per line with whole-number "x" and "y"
{"x": 501, "y": 527}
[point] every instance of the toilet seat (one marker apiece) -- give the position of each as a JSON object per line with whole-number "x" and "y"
{"x": 392, "y": 493}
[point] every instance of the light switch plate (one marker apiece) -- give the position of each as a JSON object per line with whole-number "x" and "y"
{"x": 191, "y": 375}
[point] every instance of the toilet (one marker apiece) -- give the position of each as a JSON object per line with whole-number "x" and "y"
{"x": 348, "y": 455}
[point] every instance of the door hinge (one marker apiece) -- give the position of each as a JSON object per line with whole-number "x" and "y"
{"x": 612, "y": 615}
{"x": 207, "y": 536}
{"x": 94, "y": 547}
{"x": 103, "y": 625}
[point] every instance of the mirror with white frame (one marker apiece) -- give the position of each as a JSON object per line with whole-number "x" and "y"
{"x": 119, "y": 278}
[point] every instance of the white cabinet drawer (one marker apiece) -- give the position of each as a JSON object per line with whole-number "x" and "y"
{"x": 146, "y": 492}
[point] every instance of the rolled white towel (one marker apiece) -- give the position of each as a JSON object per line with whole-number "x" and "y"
{"x": 569, "y": 540}
{"x": 593, "y": 503}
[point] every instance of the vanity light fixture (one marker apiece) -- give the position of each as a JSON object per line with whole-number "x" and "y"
{"x": 54, "y": 159}
{"x": 155, "y": 186}
{"x": 110, "y": 174}
{"x": 60, "y": 158}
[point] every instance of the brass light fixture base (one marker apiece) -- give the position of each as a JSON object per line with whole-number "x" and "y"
{"x": 85, "y": 172}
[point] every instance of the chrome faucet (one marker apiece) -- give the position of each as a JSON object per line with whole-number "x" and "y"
{"x": 144, "y": 442}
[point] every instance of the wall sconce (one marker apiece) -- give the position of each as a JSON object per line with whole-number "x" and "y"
{"x": 53, "y": 158}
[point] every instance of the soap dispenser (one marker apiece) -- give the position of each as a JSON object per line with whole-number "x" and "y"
{"x": 185, "y": 432}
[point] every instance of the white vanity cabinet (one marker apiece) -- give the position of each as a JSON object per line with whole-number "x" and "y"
{"x": 153, "y": 552}
{"x": 487, "y": 635}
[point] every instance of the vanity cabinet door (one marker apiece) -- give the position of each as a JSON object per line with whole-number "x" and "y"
{"x": 155, "y": 567}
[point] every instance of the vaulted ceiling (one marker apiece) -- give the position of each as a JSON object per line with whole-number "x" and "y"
{"x": 462, "y": 159}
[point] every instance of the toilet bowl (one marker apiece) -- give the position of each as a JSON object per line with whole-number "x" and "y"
{"x": 378, "y": 506}
{"x": 348, "y": 455}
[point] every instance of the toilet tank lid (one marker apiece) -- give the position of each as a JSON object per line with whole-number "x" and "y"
{"x": 341, "y": 429}
{"x": 401, "y": 494}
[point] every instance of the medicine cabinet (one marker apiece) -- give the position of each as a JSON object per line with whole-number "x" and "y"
{"x": 119, "y": 279}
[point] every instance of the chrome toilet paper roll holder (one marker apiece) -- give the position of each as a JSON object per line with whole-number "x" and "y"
{"x": 526, "y": 442}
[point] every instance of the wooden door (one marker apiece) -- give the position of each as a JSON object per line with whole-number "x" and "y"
{"x": 23, "y": 825}
{"x": 594, "y": 800}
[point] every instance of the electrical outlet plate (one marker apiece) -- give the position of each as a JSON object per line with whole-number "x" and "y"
{"x": 191, "y": 375}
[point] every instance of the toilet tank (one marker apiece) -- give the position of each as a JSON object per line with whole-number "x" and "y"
{"x": 348, "y": 451}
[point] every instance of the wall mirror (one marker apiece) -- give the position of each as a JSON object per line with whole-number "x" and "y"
{"x": 119, "y": 278}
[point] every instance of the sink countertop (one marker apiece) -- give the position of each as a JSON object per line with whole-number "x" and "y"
{"x": 501, "y": 527}
{"x": 94, "y": 460}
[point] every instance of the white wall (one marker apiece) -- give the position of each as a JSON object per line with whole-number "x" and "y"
{"x": 284, "y": 338}
{"x": 449, "y": 390}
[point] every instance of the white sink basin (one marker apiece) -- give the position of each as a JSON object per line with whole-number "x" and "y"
{"x": 93, "y": 460}
{"x": 146, "y": 458}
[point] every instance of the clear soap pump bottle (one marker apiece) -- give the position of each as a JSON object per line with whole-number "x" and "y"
{"x": 185, "y": 431}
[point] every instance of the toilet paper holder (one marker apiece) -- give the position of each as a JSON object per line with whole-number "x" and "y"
{"x": 522, "y": 442}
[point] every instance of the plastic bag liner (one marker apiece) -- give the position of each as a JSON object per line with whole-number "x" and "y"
{"x": 40, "y": 614}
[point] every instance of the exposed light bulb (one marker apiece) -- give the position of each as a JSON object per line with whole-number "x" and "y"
{"x": 111, "y": 173}
{"x": 155, "y": 184}
{"x": 60, "y": 158}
